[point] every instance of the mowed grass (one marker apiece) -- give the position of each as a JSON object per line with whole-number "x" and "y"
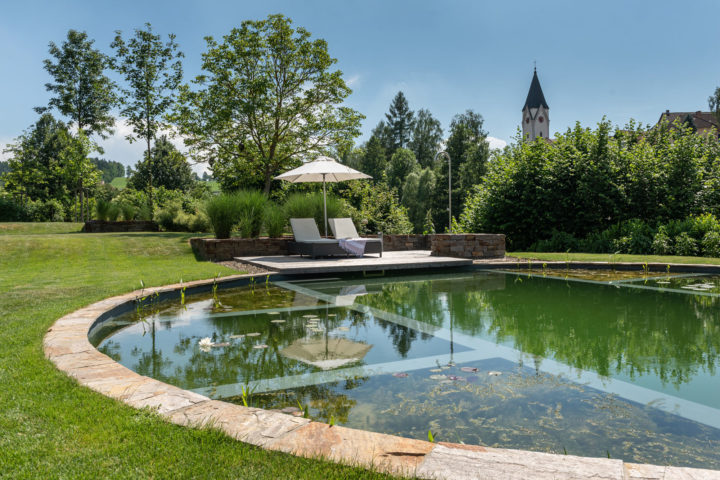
{"x": 50, "y": 427}
{"x": 605, "y": 257}
{"x": 119, "y": 182}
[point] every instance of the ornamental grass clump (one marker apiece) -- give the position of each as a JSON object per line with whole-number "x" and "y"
{"x": 275, "y": 220}
{"x": 101, "y": 209}
{"x": 128, "y": 211}
{"x": 251, "y": 205}
{"x": 113, "y": 212}
{"x": 310, "y": 205}
{"x": 223, "y": 212}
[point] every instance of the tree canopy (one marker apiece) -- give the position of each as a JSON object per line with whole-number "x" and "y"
{"x": 266, "y": 101}
{"x": 399, "y": 121}
{"x": 167, "y": 167}
{"x": 81, "y": 90}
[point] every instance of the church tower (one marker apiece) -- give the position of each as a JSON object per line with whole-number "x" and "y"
{"x": 535, "y": 113}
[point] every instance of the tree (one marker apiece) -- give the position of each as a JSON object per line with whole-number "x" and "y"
{"x": 48, "y": 163}
{"x": 109, "y": 169}
{"x": 714, "y": 103}
{"x": 267, "y": 100}
{"x": 469, "y": 151}
{"x": 166, "y": 167}
{"x": 399, "y": 122}
{"x": 374, "y": 161}
{"x": 81, "y": 89}
{"x": 152, "y": 71}
{"x": 417, "y": 194}
{"x": 426, "y": 137}
{"x": 401, "y": 164}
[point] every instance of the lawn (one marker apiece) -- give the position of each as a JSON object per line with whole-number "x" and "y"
{"x": 119, "y": 182}
{"x": 609, "y": 257}
{"x": 52, "y": 428}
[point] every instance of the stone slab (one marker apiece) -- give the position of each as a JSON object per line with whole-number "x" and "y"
{"x": 400, "y": 260}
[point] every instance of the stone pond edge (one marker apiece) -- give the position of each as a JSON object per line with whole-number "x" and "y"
{"x": 66, "y": 344}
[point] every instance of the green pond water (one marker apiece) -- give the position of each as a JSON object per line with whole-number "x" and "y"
{"x": 592, "y": 364}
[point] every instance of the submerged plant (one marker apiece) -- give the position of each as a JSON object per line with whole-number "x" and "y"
{"x": 431, "y": 438}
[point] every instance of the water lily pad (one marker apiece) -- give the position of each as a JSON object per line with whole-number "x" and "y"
{"x": 456, "y": 378}
{"x": 253, "y": 334}
{"x": 262, "y": 345}
{"x": 469, "y": 369}
{"x": 438, "y": 377}
{"x": 273, "y": 313}
{"x": 277, "y": 321}
{"x": 436, "y": 369}
{"x": 451, "y": 364}
{"x": 221, "y": 344}
{"x": 309, "y": 316}
{"x": 400, "y": 374}
{"x": 235, "y": 337}
{"x": 343, "y": 329}
{"x": 444, "y": 367}
{"x": 494, "y": 374}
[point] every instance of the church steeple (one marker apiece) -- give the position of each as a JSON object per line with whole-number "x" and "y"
{"x": 536, "y": 118}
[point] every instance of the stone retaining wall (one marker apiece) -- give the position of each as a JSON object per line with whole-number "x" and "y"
{"x": 468, "y": 245}
{"x": 101, "y": 226}
{"x": 481, "y": 245}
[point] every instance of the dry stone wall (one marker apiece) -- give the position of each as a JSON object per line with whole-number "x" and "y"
{"x": 468, "y": 245}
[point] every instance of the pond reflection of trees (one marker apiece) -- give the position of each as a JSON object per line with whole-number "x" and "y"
{"x": 606, "y": 329}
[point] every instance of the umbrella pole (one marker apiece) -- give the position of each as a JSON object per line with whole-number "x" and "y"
{"x": 325, "y": 204}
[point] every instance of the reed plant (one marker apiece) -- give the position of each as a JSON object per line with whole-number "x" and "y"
{"x": 101, "y": 209}
{"x": 223, "y": 212}
{"x": 310, "y": 205}
{"x": 275, "y": 220}
{"x": 251, "y": 205}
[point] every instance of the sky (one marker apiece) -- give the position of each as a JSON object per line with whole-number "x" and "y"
{"x": 618, "y": 59}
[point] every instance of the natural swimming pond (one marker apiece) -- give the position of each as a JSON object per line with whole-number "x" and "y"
{"x": 625, "y": 366}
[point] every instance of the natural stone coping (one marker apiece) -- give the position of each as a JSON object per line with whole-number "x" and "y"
{"x": 66, "y": 344}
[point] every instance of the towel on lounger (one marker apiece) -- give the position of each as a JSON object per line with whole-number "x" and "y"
{"x": 354, "y": 246}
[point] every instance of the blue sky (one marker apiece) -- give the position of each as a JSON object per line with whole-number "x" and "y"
{"x": 619, "y": 59}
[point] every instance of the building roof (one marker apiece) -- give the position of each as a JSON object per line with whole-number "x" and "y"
{"x": 702, "y": 122}
{"x": 535, "y": 98}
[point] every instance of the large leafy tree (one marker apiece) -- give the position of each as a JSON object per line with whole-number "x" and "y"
{"x": 374, "y": 160}
{"x": 399, "y": 121}
{"x": 268, "y": 99}
{"x": 167, "y": 167}
{"x": 48, "y": 163}
{"x": 81, "y": 90}
{"x": 152, "y": 71}
{"x": 417, "y": 194}
{"x": 401, "y": 164}
{"x": 426, "y": 137}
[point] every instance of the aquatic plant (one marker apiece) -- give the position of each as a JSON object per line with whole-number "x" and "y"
{"x": 431, "y": 437}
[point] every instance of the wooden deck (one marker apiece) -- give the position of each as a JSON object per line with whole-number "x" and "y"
{"x": 404, "y": 260}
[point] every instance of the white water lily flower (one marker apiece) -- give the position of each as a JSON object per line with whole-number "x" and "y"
{"x": 205, "y": 344}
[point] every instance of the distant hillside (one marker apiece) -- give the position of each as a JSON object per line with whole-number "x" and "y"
{"x": 119, "y": 182}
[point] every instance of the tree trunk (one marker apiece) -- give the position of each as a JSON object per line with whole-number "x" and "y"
{"x": 150, "y": 180}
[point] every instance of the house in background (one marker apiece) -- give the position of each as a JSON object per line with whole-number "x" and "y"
{"x": 701, "y": 122}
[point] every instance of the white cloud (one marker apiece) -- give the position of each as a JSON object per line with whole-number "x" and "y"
{"x": 496, "y": 143}
{"x": 353, "y": 81}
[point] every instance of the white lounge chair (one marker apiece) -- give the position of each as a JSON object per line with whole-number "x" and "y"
{"x": 344, "y": 228}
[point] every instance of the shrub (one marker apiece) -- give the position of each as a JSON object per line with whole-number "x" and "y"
{"x": 166, "y": 216}
{"x": 685, "y": 245}
{"x": 101, "y": 209}
{"x": 558, "y": 242}
{"x": 12, "y": 211}
{"x": 128, "y": 211}
{"x": 703, "y": 224}
{"x": 662, "y": 244}
{"x": 275, "y": 220}
{"x": 113, "y": 212}
{"x": 251, "y": 204}
{"x": 199, "y": 223}
{"x": 223, "y": 212}
{"x": 711, "y": 244}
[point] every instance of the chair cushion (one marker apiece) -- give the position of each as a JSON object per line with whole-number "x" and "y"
{"x": 343, "y": 228}
{"x": 305, "y": 229}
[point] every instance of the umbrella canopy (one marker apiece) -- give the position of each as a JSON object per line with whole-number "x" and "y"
{"x": 324, "y": 169}
{"x": 326, "y": 353}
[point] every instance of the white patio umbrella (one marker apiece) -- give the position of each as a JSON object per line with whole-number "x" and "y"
{"x": 324, "y": 169}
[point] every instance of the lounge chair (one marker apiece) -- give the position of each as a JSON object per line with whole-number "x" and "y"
{"x": 309, "y": 242}
{"x": 344, "y": 228}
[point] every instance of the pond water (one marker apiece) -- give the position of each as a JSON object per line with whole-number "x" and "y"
{"x": 608, "y": 365}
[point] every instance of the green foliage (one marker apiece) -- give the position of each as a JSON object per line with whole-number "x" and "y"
{"x": 428, "y": 226}
{"x": 400, "y": 122}
{"x": 310, "y": 205}
{"x": 166, "y": 168}
{"x": 662, "y": 244}
{"x": 251, "y": 205}
{"x": 426, "y": 138}
{"x": 402, "y": 163}
{"x": 589, "y": 180}
{"x": 102, "y": 208}
{"x": 375, "y": 208}
{"x": 12, "y": 211}
{"x": 417, "y": 194}
{"x": 267, "y": 97}
{"x": 80, "y": 87}
{"x": 109, "y": 169}
{"x": 374, "y": 161}
{"x": 113, "y": 212}
{"x": 711, "y": 244}
{"x": 275, "y": 220}
{"x": 685, "y": 245}
{"x": 223, "y": 212}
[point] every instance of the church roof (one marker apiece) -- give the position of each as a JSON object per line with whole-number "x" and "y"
{"x": 535, "y": 98}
